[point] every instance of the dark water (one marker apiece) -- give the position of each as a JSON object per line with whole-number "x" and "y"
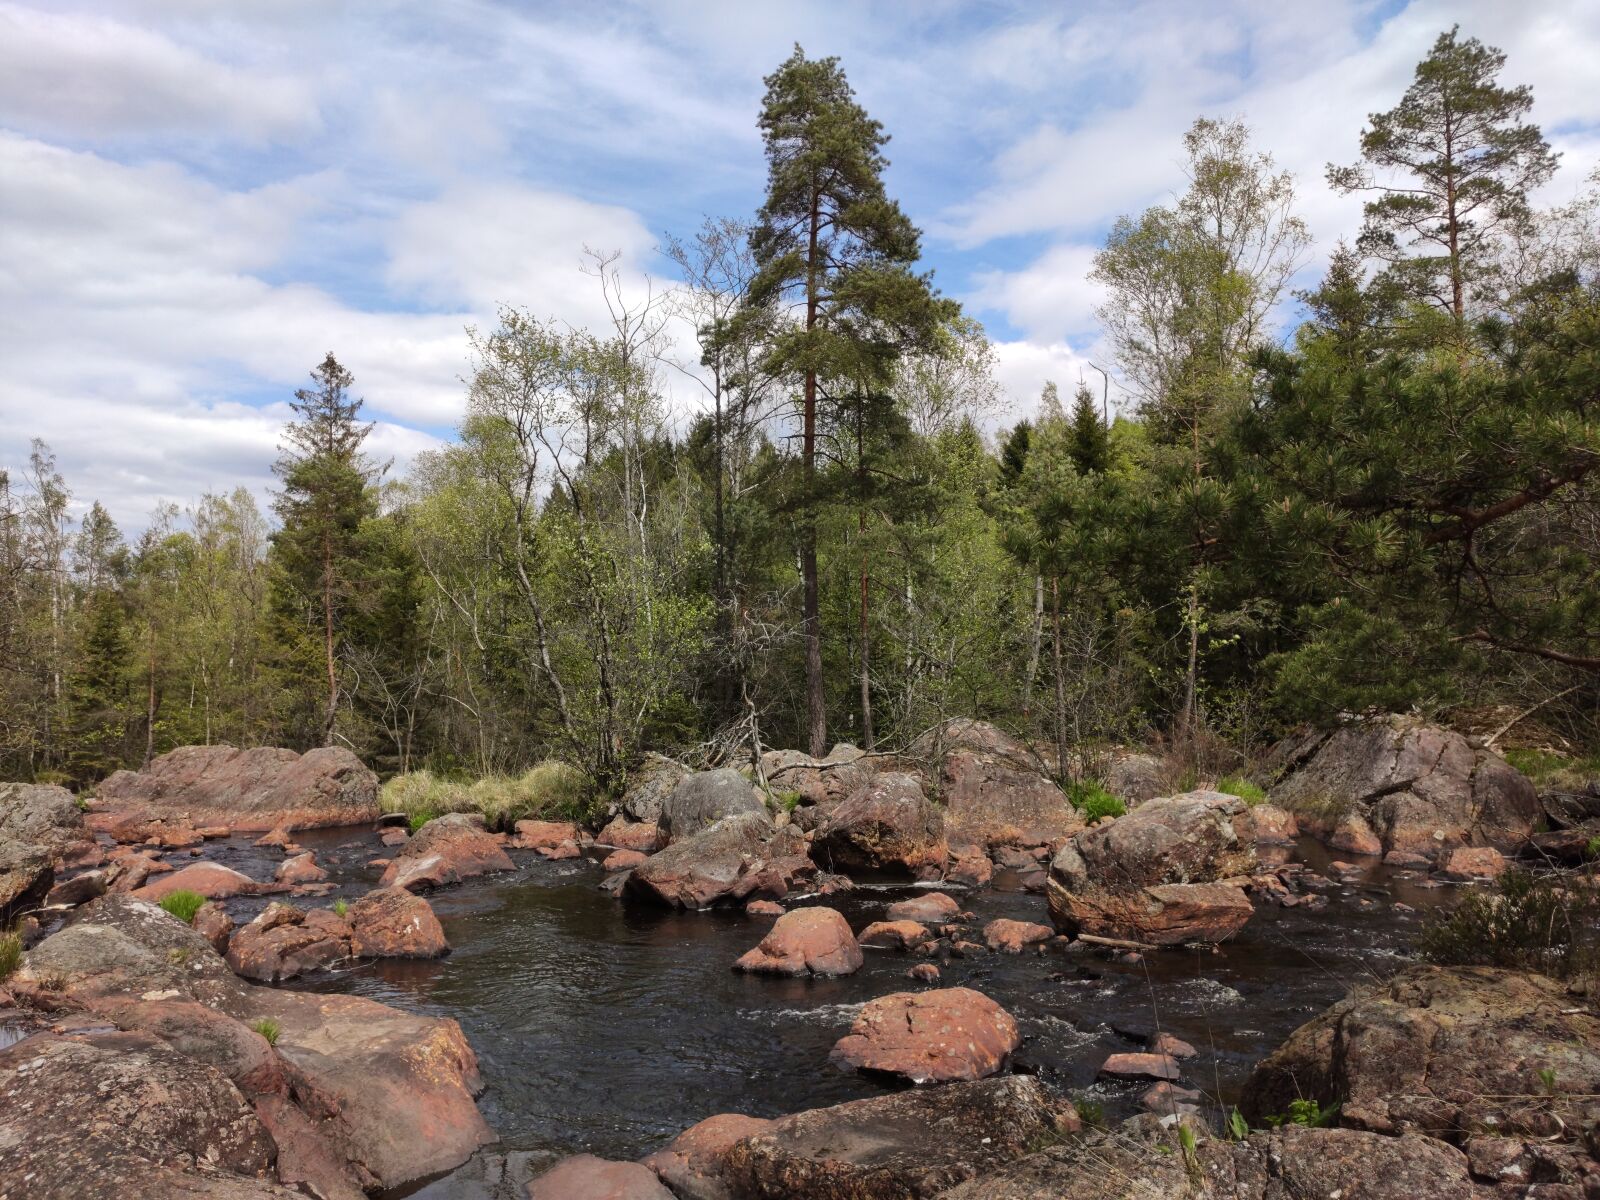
{"x": 607, "y": 1027}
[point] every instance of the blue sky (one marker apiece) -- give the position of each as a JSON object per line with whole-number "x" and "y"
{"x": 197, "y": 200}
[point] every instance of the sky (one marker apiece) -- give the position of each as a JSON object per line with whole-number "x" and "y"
{"x": 199, "y": 199}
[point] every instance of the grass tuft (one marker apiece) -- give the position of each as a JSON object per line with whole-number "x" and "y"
{"x": 10, "y": 953}
{"x": 341, "y": 907}
{"x": 267, "y": 1028}
{"x": 551, "y": 790}
{"x": 1094, "y": 802}
{"x": 1238, "y": 786}
{"x": 183, "y": 904}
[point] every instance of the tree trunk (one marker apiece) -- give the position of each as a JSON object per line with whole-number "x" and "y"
{"x": 1038, "y": 638}
{"x": 816, "y": 715}
{"x": 150, "y": 701}
{"x": 327, "y": 640}
{"x": 868, "y": 740}
{"x": 1189, "y": 721}
{"x": 1061, "y": 683}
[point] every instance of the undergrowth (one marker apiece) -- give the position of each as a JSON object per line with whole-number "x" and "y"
{"x": 1552, "y": 770}
{"x": 1528, "y": 922}
{"x": 10, "y": 953}
{"x": 551, "y": 790}
{"x": 1235, "y": 785}
{"x": 1093, "y": 801}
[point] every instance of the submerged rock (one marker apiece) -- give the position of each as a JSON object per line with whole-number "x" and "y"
{"x": 249, "y": 790}
{"x": 889, "y": 825}
{"x": 446, "y": 850}
{"x": 930, "y": 1037}
{"x": 806, "y": 941}
{"x": 913, "y": 1144}
{"x": 1161, "y": 874}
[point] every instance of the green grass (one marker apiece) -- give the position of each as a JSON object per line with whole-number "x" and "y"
{"x": 183, "y": 904}
{"x": 1309, "y": 1113}
{"x": 341, "y": 907}
{"x": 267, "y": 1028}
{"x": 1549, "y": 769}
{"x": 1094, "y": 802}
{"x": 1235, "y": 785}
{"x": 10, "y": 953}
{"x": 551, "y": 790}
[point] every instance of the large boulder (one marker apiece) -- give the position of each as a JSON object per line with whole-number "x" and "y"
{"x": 585, "y": 1177}
{"x": 890, "y": 825}
{"x": 817, "y": 781}
{"x": 930, "y": 1037}
{"x": 995, "y": 791}
{"x": 1450, "y": 1052}
{"x": 910, "y": 1145}
{"x": 393, "y": 923}
{"x": 283, "y": 942}
{"x": 718, "y": 865}
{"x": 694, "y": 1164}
{"x": 1164, "y": 874}
{"x": 211, "y": 880}
{"x": 703, "y": 798}
{"x": 39, "y": 824}
{"x": 446, "y": 850}
{"x": 1419, "y": 788}
{"x": 250, "y": 790}
{"x": 391, "y": 1093}
{"x": 649, "y": 785}
{"x": 1135, "y": 777}
{"x": 806, "y": 941}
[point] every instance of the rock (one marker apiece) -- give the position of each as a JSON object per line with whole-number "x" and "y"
{"x": 1141, "y": 1066}
{"x": 566, "y": 850}
{"x": 817, "y": 782}
{"x": 623, "y": 860}
{"x": 1466, "y": 863}
{"x": 994, "y": 789}
{"x": 283, "y": 942}
{"x": 1353, "y": 834}
{"x": 703, "y": 798}
{"x": 1274, "y": 826}
{"x": 302, "y": 868}
{"x": 390, "y": 1091}
{"x": 969, "y": 866}
{"x": 894, "y": 935}
{"x": 214, "y": 924}
{"x": 887, "y": 826}
{"x": 1417, "y": 787}
{"x": 392, "y": 835}
{"x": 1166, "y": 1043}
{"x": 393, "y": 923}
{"x": 80, "y": 889}
{"x": 446, "y": 850}
{"x": 39, "y": 824}
{"x": 211, "y": 880}
{"x": 1134, "y": 778}
{"x": 1012, "y": 937}
{"x": 693, "y": 1165}
{"x": 1166, "y": 1097}
{"x": 929, "y": 1037}
{"x": 649, "y": 785}
{"x": 910, "y": 1145}
{"x": 713, "y": 866}
{"x": 644, "y": 837}
{"x": 1157, "y": 874}
{"x": 251, "y": 790}
{"x": 1569, "y": 847}
{"x": 544, "y": 836}
{"x": 278, "y": 836}
{"x": 1451, "y": 1052}
{"x": 924, "y": 973}
{"x": 131, "y": 871}
{"x": 763, "y": 908}
{"x": 806, "y": 941}
{"x": 585, "y": 1177}
{"x": 930, "y": 908}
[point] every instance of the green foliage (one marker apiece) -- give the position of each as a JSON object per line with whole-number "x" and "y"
{"x": 1529, "y": 922}
{"x": 10, "y": 953}
{"x": 1549, "y": 769}
{"x": 1094, "y": 802}
{"x": 1249, "y": 792}
{"x": 1547, "y": 1080}
{"x": 1238, "y": 1127}
{"x": 1090, "y": 1111}
{"x": 268, "y": 1028}
{"x": 550, "y": 790}
{"x": 183, "y": 904}
{"x": 341, "y": 907}
{"x": 1305, "y": 1112}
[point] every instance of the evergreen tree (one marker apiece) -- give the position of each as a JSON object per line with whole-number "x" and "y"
{"x": 1088, "y": 438}
{"x": 830, "y": 242}
{"x": 1458, "y": 161}
{"x": 324, "y": 500}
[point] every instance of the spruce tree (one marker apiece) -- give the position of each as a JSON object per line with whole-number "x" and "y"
{"x": 1088, "y": 438}
{"x": 831, "y": 244}
{"x": 1457, "y": 160}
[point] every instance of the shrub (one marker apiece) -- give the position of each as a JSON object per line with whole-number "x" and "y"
{"x": 1235, "y": 785}
{"x": 183, "y": 904}
{"x": 267, "y": 1028}
{"x": 1094, "y": 802}
{"x": 1528, "y": 922}
{"x": 341, "y": 906}
{"x": 10, "y": 953}
{"x": 1309, "y": 1113}
{"x": 550, "y": 790}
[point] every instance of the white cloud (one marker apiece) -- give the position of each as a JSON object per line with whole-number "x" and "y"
{"x": 1050, "y": 299}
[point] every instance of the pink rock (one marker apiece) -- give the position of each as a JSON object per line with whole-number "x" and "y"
{"x": 763, "y": 908}
{"x": 211, "y": 880}
{"x": 585, "y": 1177}
{"x": 930, "y": 1037}
{"x": 692, "y": 1164}
{"x": 894, "y": 935}
{"x": 1141, "y": 1066}
{"x": 1473, "y": 862}
{"x": 625, "y": 860}
{"x": 806, "y": 941}
{"x": 302, "y": 868}
{"x": 1012, "y": 937}
{"x": 930, "y": 908}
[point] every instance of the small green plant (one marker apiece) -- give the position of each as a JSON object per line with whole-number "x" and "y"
{"x": 1309, "y": 1113}
{"x": 1235, "y": 785}
{"x": 788, "y": 801}
{"x": 267, "y": 1028}
{"x": 1547, "y": 1080}
{"x": 1238, "y": 1127}
{"x": 1094, "y": 802}
{"x": 416, "y": 820}
{"x": 1091, "y": 1112}
{"x": 10, "y": 953}
{"x": 82, "y": 802}
{"x": 183, "y": 904}
{"x": 341, "y": 906}
{"x": 1191, "y": 1152}
{"x": 178, "y": 955}
{"x": 1591, "y": 848}
{"x": 1528, "y": 922}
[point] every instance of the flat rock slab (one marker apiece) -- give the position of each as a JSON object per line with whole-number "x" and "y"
{"x": 694, "y": 1164}
{"x": 585, "y": 1177}
{"x": 930, "y": 1037}
{"x": 894, "y": 935}
{"x": 930, "y": 908}
{"x": 1141, "y": 1066}
{"x": 211, "y": 880}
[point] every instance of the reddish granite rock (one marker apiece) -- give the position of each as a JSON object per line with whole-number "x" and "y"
{"x": 277, "y": 836}
{"x": 623, "y": 860}
{"x": 717, "y": 865}
{"x": 302, "y": 868}
{"x": 1353, "y": 834}
{"x": 1166, "y": 1043}
{"x": 924, "y": 973}
{"x": 131, "y": 871}
{"x": 80, "y": 889}
{"x": 929, "y": 908}
{"x": 817, "y": 782}
{"x": 1141, "y": 1066}
{"x": 393, "y": 923}
{"x": 694, "y": 1163}
{"x": 211, "y": 880}
{"x": 585, "y": 1177}
{"x": 894, "y": 935}
{"x": 929, "y": 1037}
{"x": 645, "y": 837}
{"x": 764, "y": 908}
{"x": 889, "y": 825}
{"x": 260, "y": 789}
{"x": 446, "y": 850}
{"x": 1473, "y": 862}
{"x": 1274, "y": 826}
{"x": 284, "y": 941}
{"x": 213, "y": 924}
{"x": 544, "y": 836}
{"x": 1166, "y": 1097}
{"x": 806, "y": 941}
{"x": 994, "y": 789}
{"x": 969, "y": 866}
{"x": 392, "y": 835}
{"x": 1013, "y": 937}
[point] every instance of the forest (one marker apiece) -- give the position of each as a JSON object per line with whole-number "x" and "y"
{"x": 1377, "y": 494}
